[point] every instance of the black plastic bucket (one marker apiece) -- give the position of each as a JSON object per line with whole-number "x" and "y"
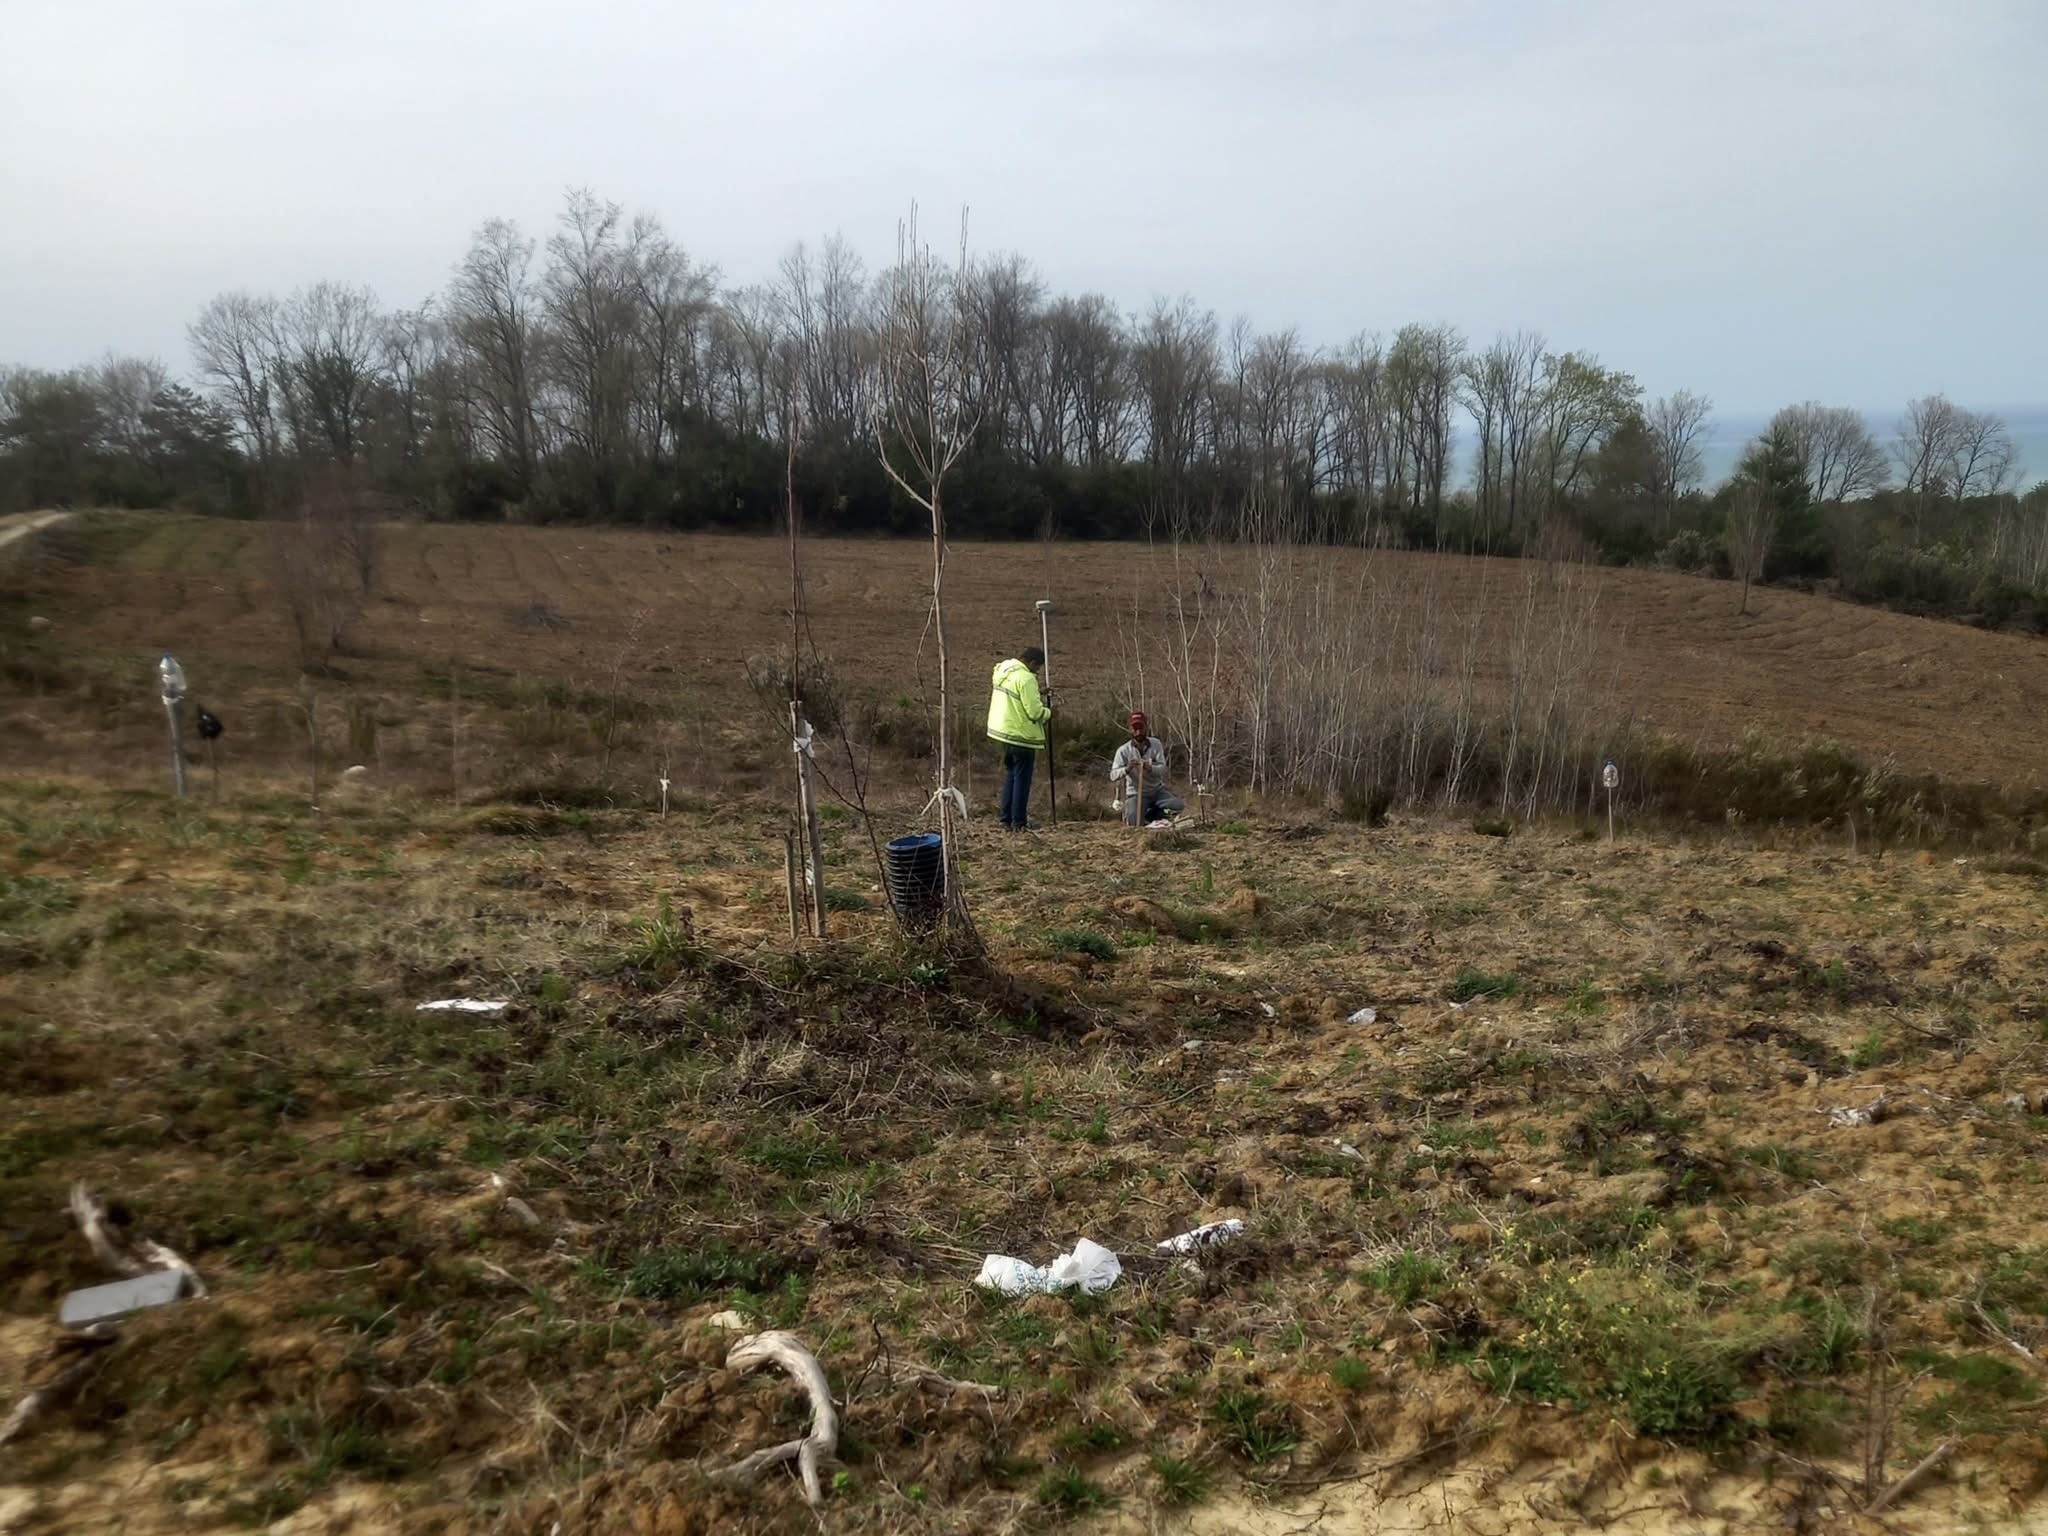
{"x": 917, "y": 879}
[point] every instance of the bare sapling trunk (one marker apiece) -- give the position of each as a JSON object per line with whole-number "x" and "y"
{"x": 309, "y": 706}
{"x": 799, "y": 728}
{"x": 922, "y": 425}
{"x": 1752, "y": 527}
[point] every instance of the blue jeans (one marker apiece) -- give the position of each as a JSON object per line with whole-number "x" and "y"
{"x": 1017, "y": 765}
{"x": 1159, "y": 801}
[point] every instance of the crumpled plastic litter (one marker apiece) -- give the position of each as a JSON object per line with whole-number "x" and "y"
{"x": 1207, "y": 1236}
{"x": 465, "y": 1005}
{"x": 1870, "y": 1114}
{"x": 1089, "y": 1266}
{"x": 1364, "y": 1016}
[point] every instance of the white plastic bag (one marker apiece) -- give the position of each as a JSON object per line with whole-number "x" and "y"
{"x": 1089, "y": 1266}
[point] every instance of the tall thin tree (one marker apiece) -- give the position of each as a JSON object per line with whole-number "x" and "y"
{"x": 922, "y": 424}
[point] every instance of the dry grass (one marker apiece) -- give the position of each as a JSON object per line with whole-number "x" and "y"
{"x": 1578, "y": 1174}
{"x": 1454, "y": 1215}
{"x": 453, "y": 625}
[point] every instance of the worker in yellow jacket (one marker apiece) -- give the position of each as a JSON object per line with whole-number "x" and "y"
{"x": 1017, "y": 716}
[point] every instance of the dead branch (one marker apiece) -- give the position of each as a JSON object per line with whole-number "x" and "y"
{"x": 947, "y": 1386}
{"x": 2011, "y": 1343}
{"x": 822, "y": 1442}
{"x": 55, "y": 1391}
{"x": 116, "y": 1254}
{"x": 1904, "y": 1485}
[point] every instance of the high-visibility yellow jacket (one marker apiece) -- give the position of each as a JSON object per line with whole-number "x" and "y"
{"x": 1016, "y": 712}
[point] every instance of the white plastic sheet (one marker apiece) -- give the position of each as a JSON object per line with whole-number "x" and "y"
{"x": 1089, "y": 1267}
{"x": 1204, "y": 1237}
{"x": 465, "y": 1005}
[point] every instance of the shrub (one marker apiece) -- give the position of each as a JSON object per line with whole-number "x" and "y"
{"x": 1365, "y": 802}
{"x": 1687, "y": 551}
{"x": 1082, "y": 941}
{"x": 770, "y": 678}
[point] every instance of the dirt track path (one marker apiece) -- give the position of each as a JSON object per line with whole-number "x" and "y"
{"x": 19, "y": 525}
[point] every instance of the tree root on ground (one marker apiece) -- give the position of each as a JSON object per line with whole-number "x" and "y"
{"x": 822, "y": 1442}
{"x": 121, "y": 1255}
{"x": 124, "y": 1256}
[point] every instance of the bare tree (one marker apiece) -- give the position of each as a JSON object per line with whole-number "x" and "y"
{"x": 589, "y": 303}
{"x": 231, "y": 343}
{"x": 1925, "y": 449}
{"x": 1423, "y": 368}
{"x": 1176, "y": 366}
{"x": 1502, "y": 391}
{"x": 1981, "y": 460}
{"x": 674, "y": 302}
{"x": 1674, "y": 425}
{"x": 309, "y": 571}
{"x": 328, "y": 350}
{"x": 922, "y": 424}
{"x": 127, "y": 387}
{"x": 1752, "y": 526}
{"x": 1838, "y": 455}
{"x": 492, "y": 307}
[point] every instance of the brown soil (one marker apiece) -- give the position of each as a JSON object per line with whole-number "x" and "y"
{"x": 1565, "y": 1235}
{"x": 685, "y": 613}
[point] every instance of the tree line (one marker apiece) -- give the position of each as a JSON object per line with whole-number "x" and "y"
{"x": 603, "y": 374}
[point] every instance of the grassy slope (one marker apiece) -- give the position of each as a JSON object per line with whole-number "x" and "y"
{"x": 675, "y": 619}
{"x": 1602, "y": 1189}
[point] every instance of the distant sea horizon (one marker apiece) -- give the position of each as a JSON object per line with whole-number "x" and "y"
{"x": 1729, "y": 434}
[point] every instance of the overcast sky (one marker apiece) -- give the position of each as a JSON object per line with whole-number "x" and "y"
{"x": 1763, "y": 200}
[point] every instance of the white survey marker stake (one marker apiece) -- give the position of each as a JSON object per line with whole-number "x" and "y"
{"x": 171, "y": 684}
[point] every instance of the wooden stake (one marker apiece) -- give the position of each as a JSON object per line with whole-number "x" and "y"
{"x": 312, "y": 708}
{"x": 796, "y": 921}
{"x": 817, "y": 847}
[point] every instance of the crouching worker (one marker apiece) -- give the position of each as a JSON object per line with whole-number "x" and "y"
{"x": 1144, "y": 755}
{"x": 1017, "y": 715}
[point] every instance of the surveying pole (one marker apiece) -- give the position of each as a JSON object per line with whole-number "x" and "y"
{"x": 1052, "y": 773}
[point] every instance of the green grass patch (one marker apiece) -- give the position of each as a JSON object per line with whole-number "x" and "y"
{"x": 1070, "y": 1491}
{"x": 1406, "y": 1278}
{"x": 703, "y": 1272}
{"x": 1473, "y": 984}
{"x": 1253, "y": 1425}
{"x": 1180, "y": 1481}
{"x": 1081, "y": 941}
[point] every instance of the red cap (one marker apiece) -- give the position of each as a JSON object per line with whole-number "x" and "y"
{"x": 1138, "y": 721}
